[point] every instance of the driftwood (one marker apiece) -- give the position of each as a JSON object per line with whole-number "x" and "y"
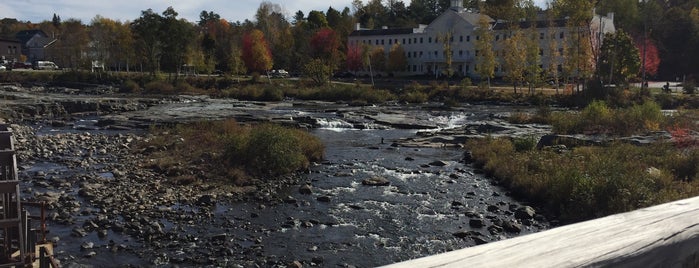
{"x": 665, "y": 235}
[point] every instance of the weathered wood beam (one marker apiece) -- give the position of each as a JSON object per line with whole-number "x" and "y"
{"x": 665, "y": 235}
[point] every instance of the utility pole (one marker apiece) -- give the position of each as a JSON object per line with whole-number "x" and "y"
{"x": 645, "y": 41}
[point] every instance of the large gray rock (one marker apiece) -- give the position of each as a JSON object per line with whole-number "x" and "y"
{"x": 525, "y": 212}
{"x": 376, "y": 181}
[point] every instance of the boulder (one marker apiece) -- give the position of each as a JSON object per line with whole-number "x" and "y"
{"x": 306, "y": 189}
{"x": 376, "y": 181}
{"x": 525, "y": 212}
{"x": 476, "y": 223}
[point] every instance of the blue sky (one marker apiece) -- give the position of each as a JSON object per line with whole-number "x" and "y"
{"x": 85, "y": 10}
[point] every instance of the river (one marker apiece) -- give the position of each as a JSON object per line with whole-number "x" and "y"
{"x": 428, "y": 207}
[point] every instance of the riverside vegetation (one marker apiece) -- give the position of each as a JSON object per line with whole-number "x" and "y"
{"x": 584, "y": 182}
{"x": 230, "y": 153}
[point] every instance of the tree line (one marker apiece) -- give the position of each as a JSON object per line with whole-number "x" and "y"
{"x": 666, "y": 31}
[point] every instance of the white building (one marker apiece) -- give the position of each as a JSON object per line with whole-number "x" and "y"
{"x": 425, "y": 52}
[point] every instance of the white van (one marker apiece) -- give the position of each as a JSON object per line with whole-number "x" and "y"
{"x": 45, "y": 65}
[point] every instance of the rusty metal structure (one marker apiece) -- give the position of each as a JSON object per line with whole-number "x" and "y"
{"x": 20, "y": 244}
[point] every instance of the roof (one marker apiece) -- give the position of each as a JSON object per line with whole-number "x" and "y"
{"x": 395, "y": 31}
{"x": 25, "y": 35}
{"x": 9, "y": 40}
{"x": 528, "y": 24}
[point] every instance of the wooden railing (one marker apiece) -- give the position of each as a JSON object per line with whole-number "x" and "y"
{"x": 665, "y": 235}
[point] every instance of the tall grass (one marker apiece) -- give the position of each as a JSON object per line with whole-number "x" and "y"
{"x": 589, "y": 182}
{"x": 598, "y": 118}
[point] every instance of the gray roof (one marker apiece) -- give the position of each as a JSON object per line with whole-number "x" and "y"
{"x": 396, "y": 31}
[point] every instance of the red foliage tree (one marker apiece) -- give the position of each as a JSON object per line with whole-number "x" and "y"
{"x": 354, "y": 57}
{"x": 326, "y": 45}
{"x": 256, "y": 53}
{"x": 652, "y": 57}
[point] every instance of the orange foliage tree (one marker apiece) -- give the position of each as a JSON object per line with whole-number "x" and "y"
{"x": 256, "y": 53}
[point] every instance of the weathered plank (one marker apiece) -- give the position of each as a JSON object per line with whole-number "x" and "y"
{"x": 665, "y": 235}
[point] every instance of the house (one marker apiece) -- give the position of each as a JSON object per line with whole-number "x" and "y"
{"x": 34, "y": 44}
{"x": 10, "y": 50}
{"x": 425, "y": 51}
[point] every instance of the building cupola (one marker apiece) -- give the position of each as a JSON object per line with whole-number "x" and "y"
{"x": 457, "y": 5}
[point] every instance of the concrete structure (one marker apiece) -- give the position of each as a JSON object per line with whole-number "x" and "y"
{"x": 425, "y": 51}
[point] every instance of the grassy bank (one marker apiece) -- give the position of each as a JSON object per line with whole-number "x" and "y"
{"x": 585, "y": 182}
{"x": 228, "y": 152}
{"x": 588, "y": 182}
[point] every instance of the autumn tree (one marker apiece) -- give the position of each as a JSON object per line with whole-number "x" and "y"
{"x": 377, "y": 59}
{"x": 256, "y": 53}
{"x": 325, "y": 45}
{"x": 485, "y": 55}
{"x": 112, "y": 42}
{"x": 652, "y": 60}
{"x": 533, "y": 58}
{"x": 397, "y": 61}
{"x": 354, "y": 58}
{"x": 619, "y": 59}
{"x": 147, "y": 29}
{"x": 270, "y": 19}
{"x": 552, "y": 52}
{"x": 514, "y": 58}
{"x": 72, "y": 42}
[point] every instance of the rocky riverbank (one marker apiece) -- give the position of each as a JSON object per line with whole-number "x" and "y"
{"x": 106, "y": 203}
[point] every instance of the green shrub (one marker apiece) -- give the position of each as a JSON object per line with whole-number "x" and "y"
{"x": 273, "y": 150}
{"x": 523, "y": 144}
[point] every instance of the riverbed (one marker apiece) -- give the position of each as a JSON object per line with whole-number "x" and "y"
{"x": 434, "y": 201}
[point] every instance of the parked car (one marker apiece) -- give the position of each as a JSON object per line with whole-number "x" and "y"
{"x": 22, "y": 65}
{"x": 45, "y": 65}
{"x": 281, "y": 73}
{"x": 3, "y": 68}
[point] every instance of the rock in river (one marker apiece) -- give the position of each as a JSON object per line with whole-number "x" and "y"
{"x": 376, "y": 181}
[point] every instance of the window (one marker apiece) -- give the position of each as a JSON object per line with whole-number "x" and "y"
{"x": 420, "y": 53}
{"x": 429, "y": 39}
{"x": 414, "y": 40}
{"x": 562, "y": 35}
{"x": 461, "y": 38}
{"x": 541, "y": 36}
{"x": 420, "y": 40}
{"x": 409, "y": 41}
{"x": 377, "y": 41}
{"x": 476, "y": 53}
{"x": 414, "y": 54}
{"x": 382, "y": 41}
{"x": 451, "y": 39}
{"x": 390, "y": 41}
{"x": 461, "y": 53}
{"x": 478, "y": 37}
{"x": 468, "y": 38}
{"x": 408, "y": 54}
{"x": 541, "y": 52}
{"x": 560, "y": 51}
{"x": 435, "y": 53}
{"x": 497, "y": 37}
{"x": 403, "y": 40}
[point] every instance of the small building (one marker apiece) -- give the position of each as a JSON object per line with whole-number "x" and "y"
{"x": 10, "y": 50}
{"x": 34, "y": 44}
